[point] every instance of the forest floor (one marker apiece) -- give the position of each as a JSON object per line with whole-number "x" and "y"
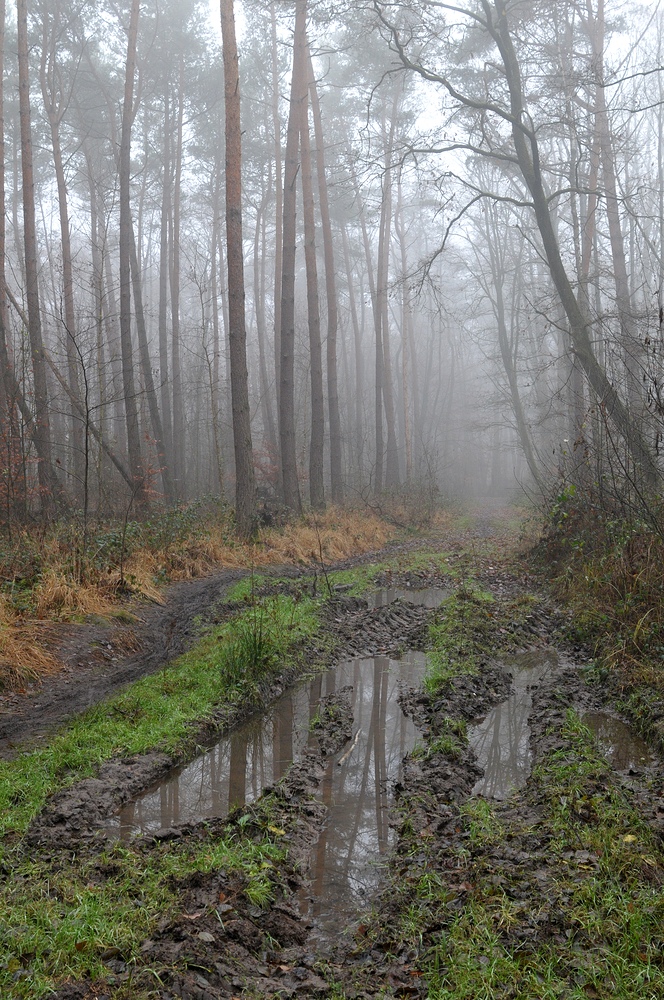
{"x": 554, "y": 889}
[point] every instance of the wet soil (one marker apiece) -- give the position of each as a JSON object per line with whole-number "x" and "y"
{"x": 217, "y": 944}
{"x": 99, "y": 658}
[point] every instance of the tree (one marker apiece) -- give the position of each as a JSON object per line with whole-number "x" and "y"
{"x": 492, "y": 20}
{"x": 128, "y": 384}
{"x": 298, "y": 95}
{"x": 245, "y": 489}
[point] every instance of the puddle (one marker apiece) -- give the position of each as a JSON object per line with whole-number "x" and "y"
{"x": 356, "y": 790}
{"x": 431, "y": 597}
{"x": 617, "y": 742}
{"x": 502, "y": 740}
{"x": 346, "y": 864}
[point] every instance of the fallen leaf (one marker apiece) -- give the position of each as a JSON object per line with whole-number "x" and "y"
{"x": 277, "y": 831}
{"x": 629, "y": 838}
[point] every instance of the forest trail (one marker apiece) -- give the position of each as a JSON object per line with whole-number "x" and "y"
{"x": 504, "y": 838}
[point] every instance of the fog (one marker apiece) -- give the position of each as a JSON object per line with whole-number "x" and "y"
{"x": 411, "y": 247}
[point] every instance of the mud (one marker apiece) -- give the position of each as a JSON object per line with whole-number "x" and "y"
{"x": 103, "y": 657}
{"x": 79, "y": 811}
{"x": 218, "y": 942}
{"x": 218, "y": 945}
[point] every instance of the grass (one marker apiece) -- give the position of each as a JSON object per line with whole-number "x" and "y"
{"x": 59, "y": 919}
{"x": 51, "y": 576}
{"x": 588, "y": 923}
{"x": 162, "y": 711}
{"x": 471, "y": 625}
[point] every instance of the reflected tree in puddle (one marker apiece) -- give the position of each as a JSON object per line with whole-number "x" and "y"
{"x": 502, "y": 740}
{"x": 355, "y": 789}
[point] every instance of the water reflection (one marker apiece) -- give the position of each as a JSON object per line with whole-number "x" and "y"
{"x": 431, "y": 597}
{"x": 240, "y": 766}
{"x": 617, "y": 742}
{"x": 356, "y": 790}
{"x": 502, "y": 740}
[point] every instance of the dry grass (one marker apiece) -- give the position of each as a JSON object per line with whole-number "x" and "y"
{"x": 29, "y": 610}
{"x": 23, "y": 648}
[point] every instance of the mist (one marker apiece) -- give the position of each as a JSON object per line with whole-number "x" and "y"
{"x": 332, "y": 252}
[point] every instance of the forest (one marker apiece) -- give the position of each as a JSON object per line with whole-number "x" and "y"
{"x": 408, "y": 247}
{"x": 331, "y": 521}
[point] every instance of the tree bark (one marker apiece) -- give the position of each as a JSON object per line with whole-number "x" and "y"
{"x": 245, "y": 488}
{"x": 178, "y": 403}
{"x": 128, "y": 384}
{"x": 298, "y": 94}
{"x": 55, "y": 106}
{"x": 527, "y": 151}
{"x": 317, "y": 441}
{"x": 164, "y": 386}
{"x": 49, "y": 487}
{"x": 336, "y": 477}
{"x": 146, "y": 368}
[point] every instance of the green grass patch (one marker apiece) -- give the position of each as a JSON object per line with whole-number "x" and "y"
{"x": 450, "y": 742}
{"x": 58, "y": 920}
{"x": 160, "y": 711}
{"x": 471, "y": 625}
{"x": 584, "y": 919}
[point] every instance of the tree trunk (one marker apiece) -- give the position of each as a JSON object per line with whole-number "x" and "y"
{"x": 269, "y": 432}
{"x": 406, "y": 324}
{"x": 164, "y": 386}
{"x": 298, "y": 94}
{"x": 279, "y": 206}
{"x": 392, "y": 453}
{"x": 48, "y": 483}
{"x": 54, "y": 112}
{"x": 128, "y": 384}
{"x": 628, "y": 334}
{"x": 359, "y": 362}
{"x": 178, "y": 403}
{"x": 216, "y": 345}
{"x": 317, "y": 441}
{"x": 336, "y": 478}
{"x": 245, "y": 488}
{"x": 527, "y": 151}
{"x": 146, "y": 368}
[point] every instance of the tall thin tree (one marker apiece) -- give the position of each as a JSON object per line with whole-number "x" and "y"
{"x": 245, "y": 487}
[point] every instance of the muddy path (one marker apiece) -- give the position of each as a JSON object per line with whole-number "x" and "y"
{"x": 475, "y": 838}
{"x": 102, "y": 657}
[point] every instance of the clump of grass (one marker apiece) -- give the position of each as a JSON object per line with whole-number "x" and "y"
{"x": 470, "y": 626}
{"x": 450, "y": 742}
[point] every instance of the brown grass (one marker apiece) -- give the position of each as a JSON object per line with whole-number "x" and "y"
{"x": 28, "y": 614}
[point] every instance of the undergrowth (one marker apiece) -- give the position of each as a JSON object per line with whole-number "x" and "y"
{"x": 54, "y": 575}
{"x": 62, "y": 920}
{"x": 608, "y": 567}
